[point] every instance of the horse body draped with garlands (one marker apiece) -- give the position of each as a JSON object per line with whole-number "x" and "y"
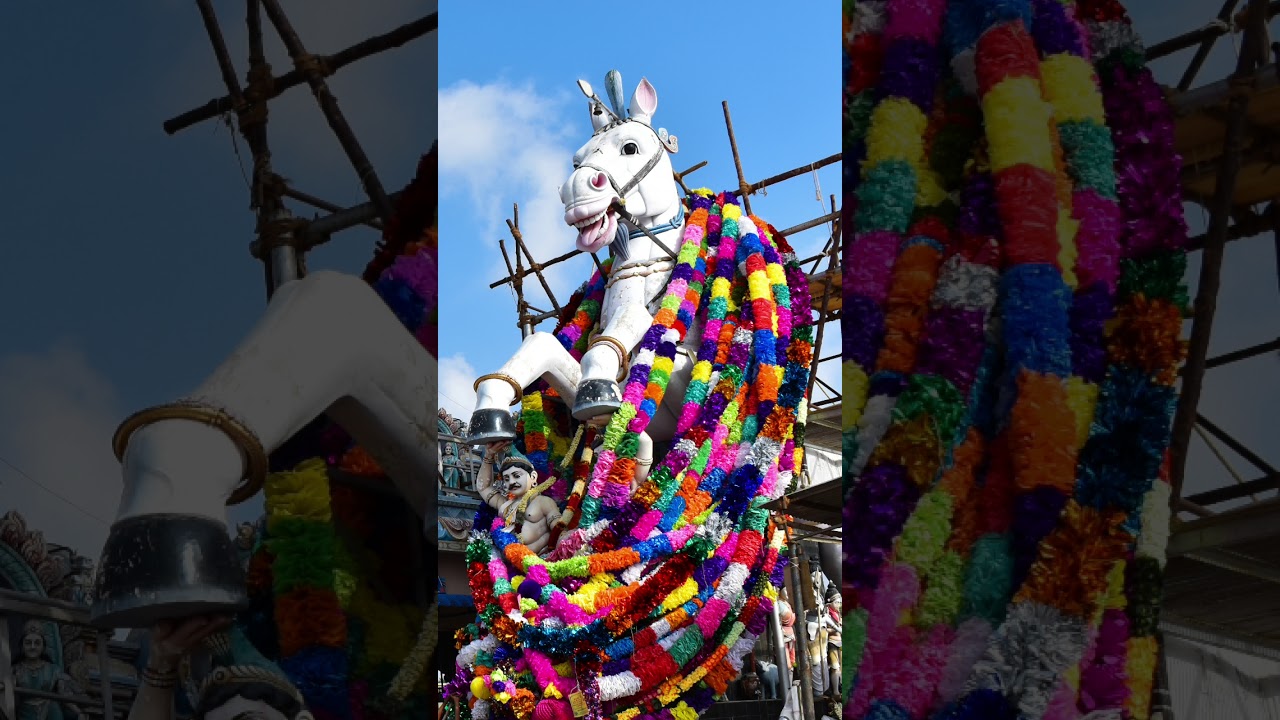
{"x": 623, "y": 167}
{"x": 660, "y": 585}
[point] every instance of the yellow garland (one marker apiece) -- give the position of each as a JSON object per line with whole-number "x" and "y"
{"x": 344, "y": 586}
{"x": 414, "y": 666}
{"x": 389, "y": 629}
{"x": 856, "y": 384}
{"x": 1015, "y": 112}
{"x": 1141, "y": 666}
{"x": 1072, "y": 678}
{"x": 680, "y": 595}
{"x": 682, "y": 711}
{"x": 929, "y": 189}
{"x": 1082, "y": 398}
{"x": 300, "y": 493}
{"x": 1067, "y": 229}
{"x": 896, "y": 134}
{"x": 1071, "y": 85}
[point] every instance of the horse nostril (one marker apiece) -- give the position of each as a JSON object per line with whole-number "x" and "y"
{"x": 599, "y": 181}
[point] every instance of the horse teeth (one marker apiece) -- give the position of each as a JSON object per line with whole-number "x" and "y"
{"x": 589, "y": 221}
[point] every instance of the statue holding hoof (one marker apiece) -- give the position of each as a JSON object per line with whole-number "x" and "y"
{"x": 620, "y": 195}
{"x": 517, "y": 496}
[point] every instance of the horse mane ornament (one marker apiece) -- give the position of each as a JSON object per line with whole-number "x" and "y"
{"x": 658, "y": 583}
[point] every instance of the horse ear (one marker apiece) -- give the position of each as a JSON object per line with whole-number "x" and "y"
{"x": 599, "y": 118}
{"x": 644, "y": 102}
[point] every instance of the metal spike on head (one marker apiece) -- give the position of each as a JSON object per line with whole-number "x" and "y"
{"x": 613, "y": 87}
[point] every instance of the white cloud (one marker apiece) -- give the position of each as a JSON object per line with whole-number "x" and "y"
{"x": 505, "y": 143}
{"x": 57, "y": 416}
{"x": 456, "y": 378}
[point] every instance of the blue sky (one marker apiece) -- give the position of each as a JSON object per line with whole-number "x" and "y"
{"x": 124, "y": 271}
{"x": 125, "y": 276}
{"x": 511, "y": 117}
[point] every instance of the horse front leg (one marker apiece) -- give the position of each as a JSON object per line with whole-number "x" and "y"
{"x": 540, "y": 356}
{"x": 599, "y": 393}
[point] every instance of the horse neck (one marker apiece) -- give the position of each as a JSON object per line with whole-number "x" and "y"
{"x": 647, "y": 268}
{"x": 641, "y": 249}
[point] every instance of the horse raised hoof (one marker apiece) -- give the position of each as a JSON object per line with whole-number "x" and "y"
{"x": 596, "y": 398}
{"x": 159, "y": 567}
{"x": 491, "y": 425}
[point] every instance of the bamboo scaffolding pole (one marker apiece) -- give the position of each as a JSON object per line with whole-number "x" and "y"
{"x": 823, "y": 383}
{"x": 311, "y": 68}
{"x": 1239, "y": 448}
{"x": 1211, "y": 262}
{"x": 293, "y": 78}
{"x": 743, "y": 187}
{"x": 797, "y": 172}
{"x": 333, "y": 208}
{"x": 1265, "y": 483}
{"x": 264, "y": 192}
{"x": 809, "y": 224}
{"x": 1213, "y": 447}
{"x": 833, "y": 251}
{"x": 514, "y": 227}
{"x": 680, "y": 176}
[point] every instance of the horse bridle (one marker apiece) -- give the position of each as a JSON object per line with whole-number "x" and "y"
{"x": 649, "y": 165}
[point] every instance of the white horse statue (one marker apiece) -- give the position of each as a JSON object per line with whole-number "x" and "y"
{"x": 623, "y": 173}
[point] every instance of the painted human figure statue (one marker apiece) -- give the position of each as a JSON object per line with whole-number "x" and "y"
{"x": 517, "y": 497}
{"x": 37, "y": 671}
{"x": 518, "y": 484}
{"x": 242, "y": 684}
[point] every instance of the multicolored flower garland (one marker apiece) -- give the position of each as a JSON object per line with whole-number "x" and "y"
{"x": 578, "y": 633}
{"x": 1013, "y": 586}
{"x": 311, "y": 625}
{"x": 336, "y": 639}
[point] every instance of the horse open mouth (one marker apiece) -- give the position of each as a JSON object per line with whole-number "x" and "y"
{"x": 596, "y": 223}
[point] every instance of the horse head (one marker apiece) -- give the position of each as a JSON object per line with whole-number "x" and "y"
{"x": 626, "y": 159}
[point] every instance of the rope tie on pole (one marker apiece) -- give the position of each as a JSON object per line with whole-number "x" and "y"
{"x": 310, "y": 65}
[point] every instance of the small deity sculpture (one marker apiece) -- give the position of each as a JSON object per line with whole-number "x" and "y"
{"x": 834, "y": 622}
{"x": 240, "y": 684}
{"x": 79, "y": 584}
{"x": 37, "y": 671}
{"x": 246, "y": 540}
{"x": 518, "y": 497}
{"x": 452, "y": 467}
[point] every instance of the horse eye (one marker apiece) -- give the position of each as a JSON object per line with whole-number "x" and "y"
{"x": 630, "y": 149}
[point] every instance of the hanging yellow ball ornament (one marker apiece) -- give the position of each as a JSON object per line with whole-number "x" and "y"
{"x": 479, "y": 689}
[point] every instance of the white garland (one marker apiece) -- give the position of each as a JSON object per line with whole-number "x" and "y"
{"x": 622, "y": 685}
{"x": 868, "y": 17}
{"x": 1156, "y": 516}
{"x": 872, "y": 426}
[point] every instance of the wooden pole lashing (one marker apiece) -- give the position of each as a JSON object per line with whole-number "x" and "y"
{"x": 312, "y": 69}
{"x": 514, "y": 227}
{"x": 293, "y": 78}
